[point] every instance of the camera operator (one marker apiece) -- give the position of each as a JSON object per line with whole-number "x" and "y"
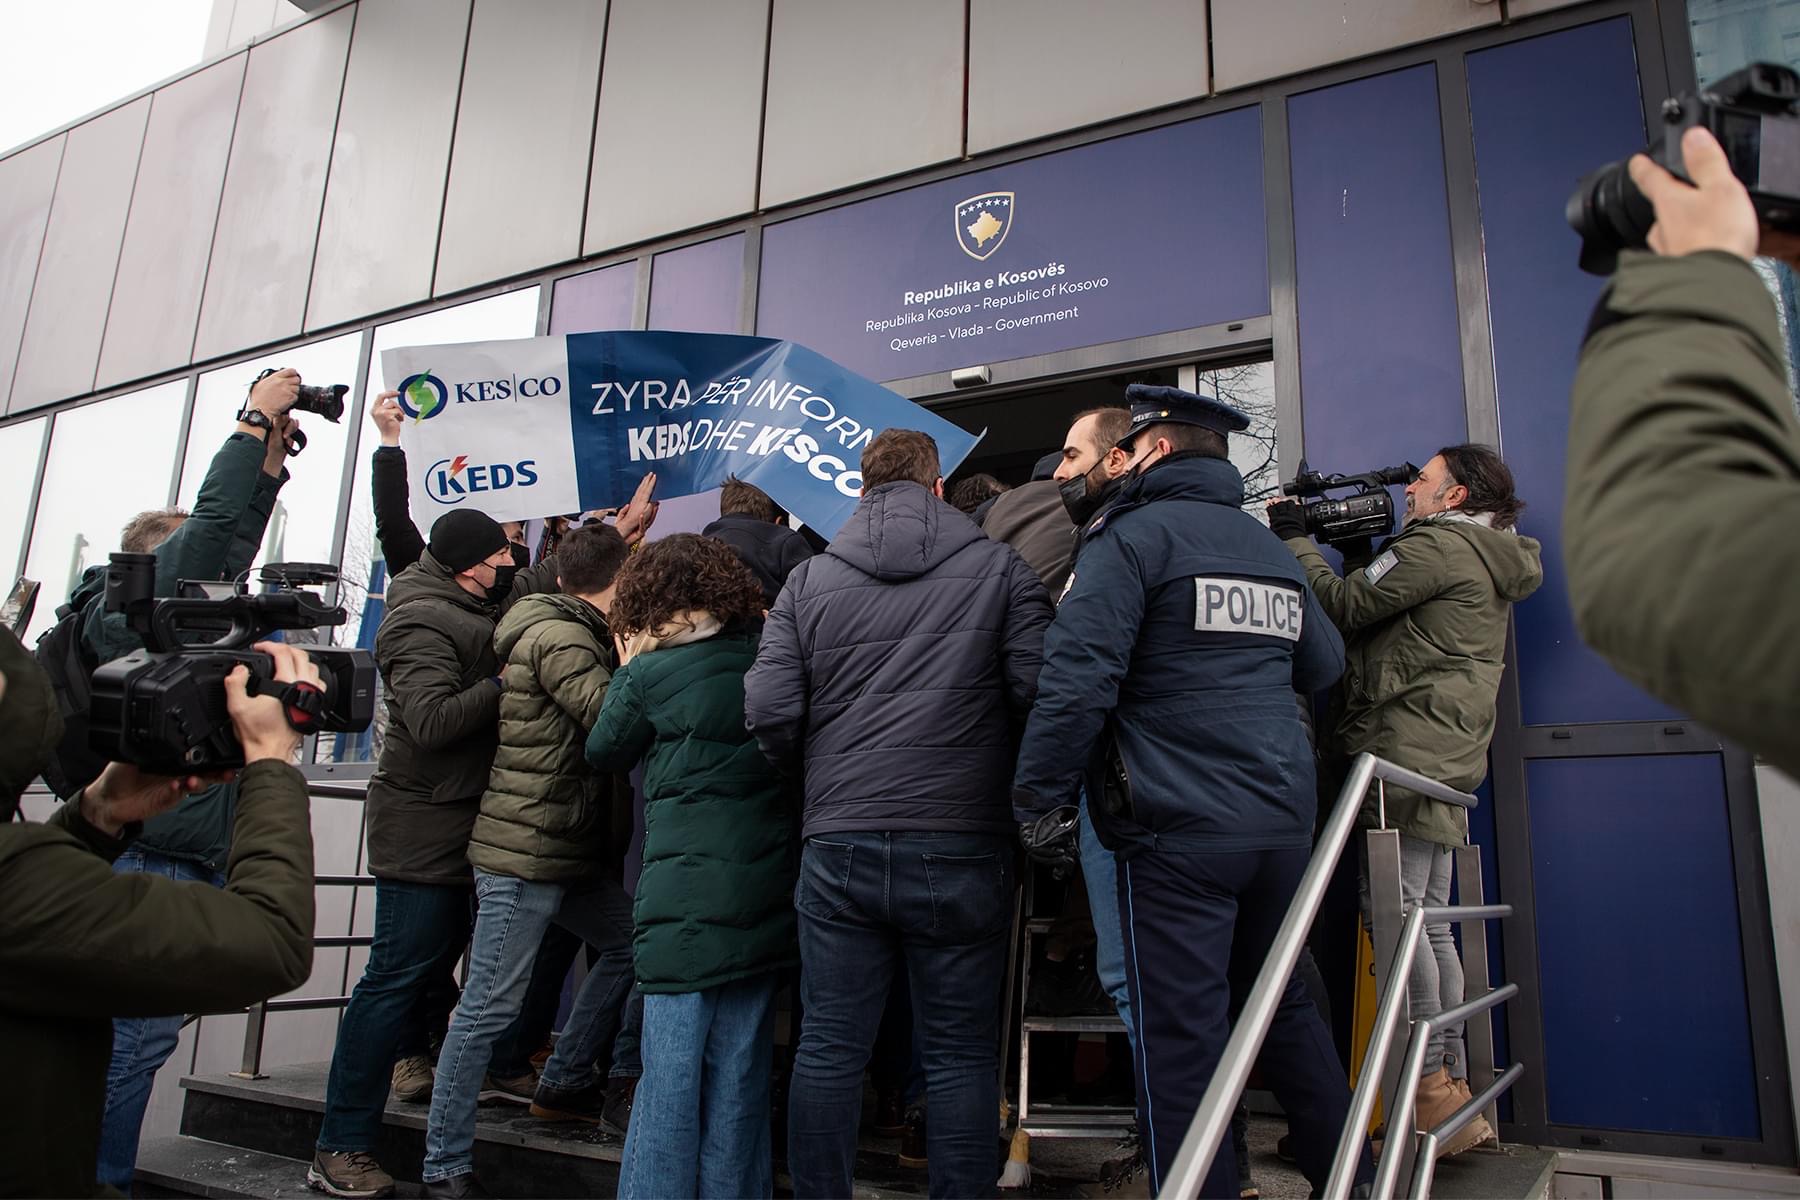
{"x": 218, "y": 540}
{"x": 1424, "y": 625}
{"x": 81, "y": 944}
{"x": 1683, "y": 489}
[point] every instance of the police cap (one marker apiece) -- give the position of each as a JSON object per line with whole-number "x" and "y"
{"x": 1153, "y": 404}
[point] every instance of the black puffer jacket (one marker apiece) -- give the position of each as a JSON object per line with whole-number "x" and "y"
{"x": 901, "y": 663}
{"x": 435, "y": 651}
{"x": 771, "y": 551}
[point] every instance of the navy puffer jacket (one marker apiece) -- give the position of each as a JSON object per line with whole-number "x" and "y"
{"x": 899, "y": 667}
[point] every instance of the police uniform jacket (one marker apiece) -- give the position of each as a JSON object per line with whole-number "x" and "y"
{"x": 1184, "y": 634}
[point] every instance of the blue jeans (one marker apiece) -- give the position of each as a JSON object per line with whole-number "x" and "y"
{"x": 1100, "y": 872}
{"x": 420, "y": 932}
{"x": 537, "y": 1015}
{"x": 510, "y": 920}
{"x": 938, "y": 906}
{"x": 141, "y": 1045}
{"x": 700, "y": 1119}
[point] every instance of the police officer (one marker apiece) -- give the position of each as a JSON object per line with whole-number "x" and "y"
{"x": 1169, "y": 678}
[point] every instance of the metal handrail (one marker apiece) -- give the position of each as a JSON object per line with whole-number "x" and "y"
{"x": 1207, "y": 1130}
{"x": 1455, "y": 1123}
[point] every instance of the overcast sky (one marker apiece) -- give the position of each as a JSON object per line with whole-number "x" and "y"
{"x": 62, "y": 59}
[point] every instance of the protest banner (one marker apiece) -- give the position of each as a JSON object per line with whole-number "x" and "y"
{"x": 536, "y": 426}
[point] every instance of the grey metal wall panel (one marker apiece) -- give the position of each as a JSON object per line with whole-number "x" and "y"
{"x": 859, "y": 90}
{"x": 27, "y": 182}
{"x": 378, "y": 237}
{"x": 1038, "y": 67}
{"x": 61, "y": 345}
{"x": 1524, "y": 8}
{"x": 250, "y": 18}
{"x": 1255, "y": 40}
{"x": 269, "y": 218}
{"x": 519, "y": 169}
{"x": 162, "y": 267}
{"x": 649, "y": 136}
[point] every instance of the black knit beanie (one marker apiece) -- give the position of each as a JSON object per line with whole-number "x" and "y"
{"x": 463, "y": 538}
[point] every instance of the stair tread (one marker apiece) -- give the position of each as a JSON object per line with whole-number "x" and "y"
{"x": 197, "y": 1167}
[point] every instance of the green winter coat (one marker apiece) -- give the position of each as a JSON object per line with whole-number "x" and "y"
{"x": 435, "y": 651}
{"x": 1424, "y": 629}
{"x": 1683, "y": 496}
{"x": 547, "y": 815}
{"x": 219, "y": 540}
{"x": 715, "y": 900}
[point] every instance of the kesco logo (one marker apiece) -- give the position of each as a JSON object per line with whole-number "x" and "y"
{"x": 982, "y": 223}
{"x": 423, "y": 396}
{"x": 450, "y": 480}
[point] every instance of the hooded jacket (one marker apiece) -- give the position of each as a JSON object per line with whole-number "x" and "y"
{"x": 1032, "y": 520}
{"x": 771, "y": 551}
{"x": 1184, "y": 634}
{"x": 900, "y": 665}
{"x": 715, "y": 900}
{"x": 1683, "y": 493}
{"x": 80, "y": 944}
{"x": 435, "y": 652}
{"x": 1425, "y": 636}
{"x": 546, "y": 816}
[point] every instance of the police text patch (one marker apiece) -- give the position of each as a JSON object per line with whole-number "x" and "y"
{"x": 1223, "y": 605}
{"x": 1381, "y": 566}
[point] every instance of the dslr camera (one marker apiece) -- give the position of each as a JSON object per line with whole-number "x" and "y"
{"x": 1755, "y": 114}
{"x": 327, "y": 401}
{"x": 1367, "y": 512}
{"x": 163, "y": 707}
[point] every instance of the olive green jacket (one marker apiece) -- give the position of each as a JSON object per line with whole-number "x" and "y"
{"x": 1424, "y": 628}
{"x": 547, "y": 815}
{"x": 1683, "y": 497}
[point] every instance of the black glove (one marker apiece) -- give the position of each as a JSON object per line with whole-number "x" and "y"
{"x": 1051, "y": 839}
{"x": 1287, "y": 520}
{"x": 1358, "y": 553}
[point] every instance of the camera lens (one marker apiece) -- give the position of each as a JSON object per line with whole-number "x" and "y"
{"x": 328, "y": 402}
{"x": 1610, "y": 214}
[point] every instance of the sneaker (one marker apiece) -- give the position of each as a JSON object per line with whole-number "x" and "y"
{"x": 890, "y": 1113}
{"x": 912, "y": 1142}
{"x": 352, "y": 1173}
{"x": 616, "y": 1116}
{"x": 413, "y": 1078}
{"x": 1437, "y": 1100}
{"x": 520, "y": 1089}
{"x": 459, "y": 1187}
{"x": 584, "y": 1103}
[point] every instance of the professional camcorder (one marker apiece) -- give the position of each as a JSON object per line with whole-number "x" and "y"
{"x": 1368, "y": 512}
{"x": 163, "y": 707}
{"x": 1755, "y": 114}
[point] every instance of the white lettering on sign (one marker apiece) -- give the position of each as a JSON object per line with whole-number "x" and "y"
{"x": 1250, "y": 606}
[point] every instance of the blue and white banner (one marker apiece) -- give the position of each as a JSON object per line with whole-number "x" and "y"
{"x": 538, "y": 426}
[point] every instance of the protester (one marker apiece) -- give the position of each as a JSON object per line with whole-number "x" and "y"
{"x": 217, "y": 541}
{"x": 1176, "y": 704}
{"x": 544, "y": 847}
{"x": 894, "y": 672}
{"x": 757, "y": 532}
{"x": 1031, "y": 520}
{"x": 715, "y": 919}
{"x": 1683, "y": 485}
{"x": 435, "y": 651}
{"x": 973, "y": 495}
{"x": 81, "y": 944}
{"x": 1426, "y": 624}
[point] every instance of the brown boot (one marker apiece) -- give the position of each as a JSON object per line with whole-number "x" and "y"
{"x": 1438, "y": 1098}
{"x": 1464, "y": 1095}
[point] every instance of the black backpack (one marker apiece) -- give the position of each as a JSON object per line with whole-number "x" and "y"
{"x": 68, "y": 662}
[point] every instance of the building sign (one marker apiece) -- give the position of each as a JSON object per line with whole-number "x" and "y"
{"x": 1132, "y": 236}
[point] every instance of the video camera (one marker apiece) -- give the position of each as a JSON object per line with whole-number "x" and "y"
{"x": 1368, "y": 512}
{"x": 1755, "y": 114}
{"x": 163, "y": 707}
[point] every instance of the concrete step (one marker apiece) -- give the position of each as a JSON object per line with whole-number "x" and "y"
{"x": 185, "y": 1166}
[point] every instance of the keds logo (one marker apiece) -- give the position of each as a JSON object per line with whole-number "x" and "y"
{"x": 450, "y": 480}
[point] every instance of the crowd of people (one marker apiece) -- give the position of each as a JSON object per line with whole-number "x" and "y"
{"x": 839, "y": 755}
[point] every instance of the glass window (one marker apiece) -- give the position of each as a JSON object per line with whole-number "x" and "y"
{"x": 108, "y": 462}
{"x": 513, "y": 315}
{"x": 19, "y": 445}
{"x": 1250, "y": 387}
{"x": 304, "y": 519}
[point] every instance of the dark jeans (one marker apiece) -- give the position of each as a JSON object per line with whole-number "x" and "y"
{"x": 936, "y": 906}
{"x": 430, "y": 1016}
{"x": 543, "y": 996}
{"x": 1197, "y": 929}
{"x": 420, "y": 932}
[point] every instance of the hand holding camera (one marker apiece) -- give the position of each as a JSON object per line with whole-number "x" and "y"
{"x": 261, "y": 722}
{"x": 272, "y": 396}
